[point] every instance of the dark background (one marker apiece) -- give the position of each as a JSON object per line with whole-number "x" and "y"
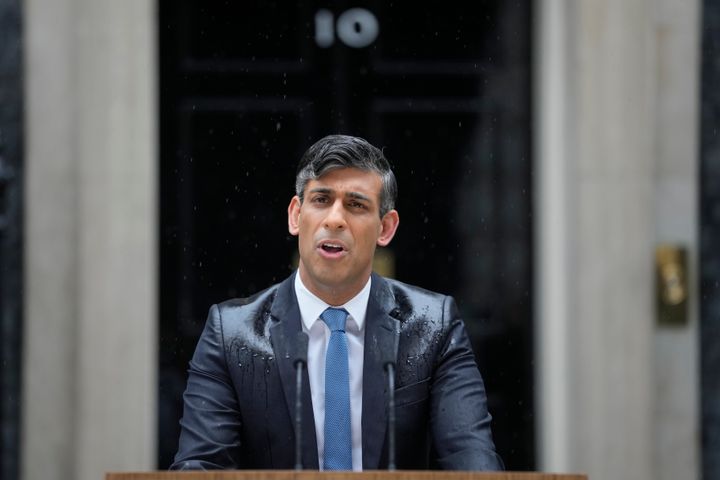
{"x": 443, "y": 88}
{"x": 710, "y": 242}
{"x": 11, "y": 251}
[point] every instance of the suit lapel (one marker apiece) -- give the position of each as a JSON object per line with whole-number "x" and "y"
{"x": 283, "y": 334}
{"x": 380, "y": 330}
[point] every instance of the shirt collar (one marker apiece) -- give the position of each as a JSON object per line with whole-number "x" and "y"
{"x": 311, "y": 306}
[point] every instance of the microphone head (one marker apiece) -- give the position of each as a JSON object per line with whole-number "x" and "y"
{"x": 301, "y": 348}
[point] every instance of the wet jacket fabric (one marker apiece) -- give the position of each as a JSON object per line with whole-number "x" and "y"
{"x": 240, "y": 399}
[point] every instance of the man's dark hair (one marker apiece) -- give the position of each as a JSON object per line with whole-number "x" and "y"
{"x": 344, "y": 151}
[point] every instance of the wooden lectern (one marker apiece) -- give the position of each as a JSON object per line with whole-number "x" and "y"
{"x": 315, "y": 475}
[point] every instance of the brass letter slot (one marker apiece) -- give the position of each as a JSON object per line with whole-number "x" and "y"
{"x": 671, "y": 285}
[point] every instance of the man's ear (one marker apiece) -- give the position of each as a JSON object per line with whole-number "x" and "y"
{"x": 388, "y": 227}
{"x": 294, "y": 216}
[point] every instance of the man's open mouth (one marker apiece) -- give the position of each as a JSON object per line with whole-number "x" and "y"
{"x": 331, "y": 247}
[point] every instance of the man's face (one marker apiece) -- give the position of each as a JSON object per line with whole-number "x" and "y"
{"x": 338, "y": 226}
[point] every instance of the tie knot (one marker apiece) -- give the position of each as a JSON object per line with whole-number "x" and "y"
{"x": 335, "y": 318}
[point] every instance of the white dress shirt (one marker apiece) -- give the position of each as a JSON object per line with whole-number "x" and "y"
{"x": 319, "y": 335}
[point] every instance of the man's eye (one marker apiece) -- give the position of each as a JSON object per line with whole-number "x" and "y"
{"x": 319, "y": 200}
{"x": 358, "y": 205}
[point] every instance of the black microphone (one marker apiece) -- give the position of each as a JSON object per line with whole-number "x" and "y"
{"x": 389, "y": 360}
{"x": 300, "y": 362}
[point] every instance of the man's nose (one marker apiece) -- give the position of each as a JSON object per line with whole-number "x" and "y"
{"x": 335, "y": 218}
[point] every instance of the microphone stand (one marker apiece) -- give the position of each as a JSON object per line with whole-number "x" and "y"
{"x": 390, "y": 368}
{"x": 300, "y": 362}
{"x": 390, "y": 357}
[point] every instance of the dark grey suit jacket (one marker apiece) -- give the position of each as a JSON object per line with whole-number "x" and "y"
{"x": 240, "y": 395}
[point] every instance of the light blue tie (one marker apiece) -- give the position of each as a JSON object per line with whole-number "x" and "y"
{"x": 338, "y": 439}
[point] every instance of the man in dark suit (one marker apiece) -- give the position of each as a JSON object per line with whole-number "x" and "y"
{"x": 240, "y": 396}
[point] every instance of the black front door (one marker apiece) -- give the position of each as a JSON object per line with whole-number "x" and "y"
{"x": 246, "y": 87}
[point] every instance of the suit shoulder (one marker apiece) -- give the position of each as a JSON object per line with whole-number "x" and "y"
{"x": 248, "y": 302}
{"x": 413, "y": 291}
{"x": 417, "y": 305}
{"x": 245, "y": 323}
{"x": 246, "y": 312}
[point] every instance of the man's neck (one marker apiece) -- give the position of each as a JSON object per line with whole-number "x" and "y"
{"x": 333, "y": 295}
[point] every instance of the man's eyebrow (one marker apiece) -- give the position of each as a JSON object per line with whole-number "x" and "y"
{"x": 358, "y": 196}
{"x": 329, "y": 191}
{"x": 320, "y": 190}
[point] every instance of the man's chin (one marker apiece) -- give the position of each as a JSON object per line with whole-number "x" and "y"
{"x": 333, "y": 281}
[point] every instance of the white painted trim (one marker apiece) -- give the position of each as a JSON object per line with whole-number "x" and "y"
{"x": 550, "y": 120}
{"x": 90, "y": 256}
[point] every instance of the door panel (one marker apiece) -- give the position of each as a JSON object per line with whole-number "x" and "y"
{"x": 246, "y": 88}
